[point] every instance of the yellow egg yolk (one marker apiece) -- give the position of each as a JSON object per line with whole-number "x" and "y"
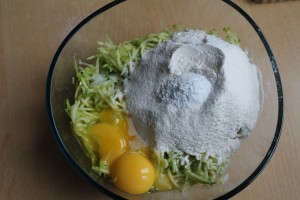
{"x": 117, "y": 120}
{"x": 108, "y": 141}
{"x": 133, "y": 173}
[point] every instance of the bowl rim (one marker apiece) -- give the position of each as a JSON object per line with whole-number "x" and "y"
{"x": 107, "y": 192}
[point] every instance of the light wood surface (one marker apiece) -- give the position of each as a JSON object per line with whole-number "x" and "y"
{"x": 31, "y": 165}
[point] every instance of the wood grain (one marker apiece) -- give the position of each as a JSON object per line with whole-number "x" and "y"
{"x": 32, "y": 167}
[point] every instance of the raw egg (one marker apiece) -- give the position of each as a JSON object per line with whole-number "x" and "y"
{"x": 133, "y": 173}
{"x": 117, "y": 120}
{"x": 108, "y": 141}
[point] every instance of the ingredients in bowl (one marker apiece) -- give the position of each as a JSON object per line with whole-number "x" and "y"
{"x": 165, "y": 111}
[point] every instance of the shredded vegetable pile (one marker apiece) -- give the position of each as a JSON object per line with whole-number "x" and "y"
{"x": 99, "y": 85}
{"x": 185, "y": 170}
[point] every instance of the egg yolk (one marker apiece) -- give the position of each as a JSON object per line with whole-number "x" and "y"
{"x": 133, "y": 173}
{"x": 108, "y": 141}
{"x": 117, "y": 120}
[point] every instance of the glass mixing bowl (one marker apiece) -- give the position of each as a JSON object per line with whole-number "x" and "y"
{"x": 125, "y": 20}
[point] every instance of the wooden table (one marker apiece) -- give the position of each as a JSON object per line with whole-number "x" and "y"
{"x": 31, "y": 165}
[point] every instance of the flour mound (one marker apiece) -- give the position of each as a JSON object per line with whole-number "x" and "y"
{"x": 194, "y": 93}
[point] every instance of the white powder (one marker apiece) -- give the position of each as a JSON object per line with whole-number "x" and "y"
{"x": 194, "y": 93}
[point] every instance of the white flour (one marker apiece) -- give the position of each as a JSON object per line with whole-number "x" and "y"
{"x": 194, "y": 93}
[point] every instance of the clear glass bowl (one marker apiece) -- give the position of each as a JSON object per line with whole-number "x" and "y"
{"x": 130, "y": 19}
